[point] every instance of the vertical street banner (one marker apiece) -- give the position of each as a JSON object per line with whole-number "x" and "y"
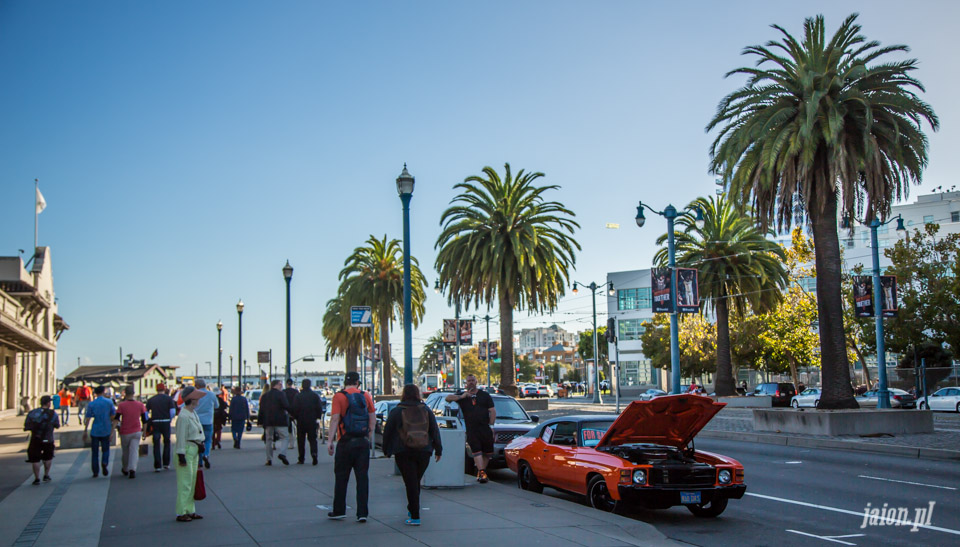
{"x": 888, "y": 295}
{"x": 482, "y": 350}
{"x": 466, "y": 332}
{"x": 441, "y": 354}
{"x": 863, "y": 296}
{"x": 450, "y": 331}
{"x": 660, "y": 281}
{"x": 493, "y": 351}
{"x": 688, "y": 293}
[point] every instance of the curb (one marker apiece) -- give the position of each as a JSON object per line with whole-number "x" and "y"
{"x": 807, "y": 442}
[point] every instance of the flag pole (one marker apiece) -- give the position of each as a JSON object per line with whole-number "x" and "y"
{"x": 36, "y": 214}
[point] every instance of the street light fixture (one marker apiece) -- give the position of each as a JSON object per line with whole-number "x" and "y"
{"x": 219, "y": 355}
{"x": 240, "y": 341}
{"x": 288, "y": 275}
{"x": 405, "y": 184}
{"x": 596, "y": 359}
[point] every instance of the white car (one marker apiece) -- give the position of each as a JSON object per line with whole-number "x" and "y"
{"x": 529, "y": 391}
{"x": 544, "y": 390}
{"x": 810, "y": 398}
{"x": 947, "y": 398}
{"x": 651, "y": 394}
{"x": 253, "y": 399}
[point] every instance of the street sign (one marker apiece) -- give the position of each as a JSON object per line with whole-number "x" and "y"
{"x": 263, "y": 357}
{"x": 361, "y": 316}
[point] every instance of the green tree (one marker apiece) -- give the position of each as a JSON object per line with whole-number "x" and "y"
{"x": 585, "y": 346}
{"x": 502, "y": 240}
{"x": 373, "y": 275}
{"x": 430, "y": 358}
{"x": 697, "y": 340}
{"x": 820, "y": 120}
{"x": 739, "y": 269}
{"x": 788, "y": 336}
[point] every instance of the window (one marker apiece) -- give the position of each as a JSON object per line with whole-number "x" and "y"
{"x": 884, "y": 243}
{"x": 592, "y": 432}
{"x": 565, "y": 434}
{"x": 808, "y": 284}
{"x": 954, "y": 216}
{"x": 547, "y": 433}
{"x": 635, "y": 373}
{"x": 883, "y": 229}
{"x": 634, "y": 299}
{"x": 630, "y": 329}
{"x": 928, "y": 219}
{"x": 865, "y": 238}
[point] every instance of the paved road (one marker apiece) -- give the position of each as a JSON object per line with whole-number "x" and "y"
{"x": 796, "y": 495}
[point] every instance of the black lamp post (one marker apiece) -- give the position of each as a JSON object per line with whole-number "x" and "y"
{"x": 288, "y": 275}
{"x": 405, "y": 189}
{"x": 219, "y": 355}
{"x": 240, "y": 338}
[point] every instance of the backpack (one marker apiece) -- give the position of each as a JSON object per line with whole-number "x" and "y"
{"x": 37, "y": 422}
{"x": 415, "y": 427}
{"x": 356, "y": 420}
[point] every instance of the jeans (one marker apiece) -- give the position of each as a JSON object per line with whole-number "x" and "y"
{"x": 237, "y": 431}
{"x": 81, "y": 410}
{"x": 305, "y": 433}
{"x": 207, "y": 439}
{"x": 281, "y": 435}
{"x": 130, "y": 450}
{"x": 99, "y": 445}
{"x": 353, "y": 454}
{"x": 64, "y": 415}
{"x": 413, "y": 464}
{"x": 161, "y": 432}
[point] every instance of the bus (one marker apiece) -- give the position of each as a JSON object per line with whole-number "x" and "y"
{"x": 430, "y": 383}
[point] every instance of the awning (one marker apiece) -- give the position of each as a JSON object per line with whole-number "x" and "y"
{"x": 21, "y": 338}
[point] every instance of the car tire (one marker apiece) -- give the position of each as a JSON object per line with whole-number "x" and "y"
{"x": 922, "y": 406}
{"x": 816, "y": 404}
{"x": 598, "y": 495}
{"x": 795, "y": 404}
{"x": 526, "y": 480}
{"x": 958, "y": 408}
{"x": 709, "y": 510}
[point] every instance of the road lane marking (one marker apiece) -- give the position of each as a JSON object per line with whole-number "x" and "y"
{"x": 858, "y": 514}
{"x": 794, "y": 462}
{"x": 827, "y": 538}
{"x": 906, "y": 482}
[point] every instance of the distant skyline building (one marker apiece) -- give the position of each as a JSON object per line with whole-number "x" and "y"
{"x": 540, "y": 338}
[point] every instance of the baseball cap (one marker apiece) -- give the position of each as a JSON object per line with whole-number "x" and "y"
{"x": 351, "y": 378}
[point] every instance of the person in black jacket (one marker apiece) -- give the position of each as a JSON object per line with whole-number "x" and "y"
{"x": 239, "y": 414}
{"x": 273, "y": 417}
{"x": 412, "y": 461}
{"x": 291, "y": 393}
{"x": 307, "y": 409}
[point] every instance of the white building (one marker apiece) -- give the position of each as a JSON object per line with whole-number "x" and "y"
{"x": 631, "y": 306}
{"x": 538, "y": 339}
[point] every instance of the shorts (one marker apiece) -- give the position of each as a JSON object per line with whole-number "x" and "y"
{"x": 39, "y": 451}
{"x": 480, "y": 440}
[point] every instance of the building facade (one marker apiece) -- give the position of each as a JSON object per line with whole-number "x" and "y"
{"x": 541, "y": 338}
{"x": 29, "y": 330}
{"x": 630, "y": 306}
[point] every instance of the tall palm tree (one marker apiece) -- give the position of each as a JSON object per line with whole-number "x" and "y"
{"x": 373, "y": 275}
{"x": 501, "y": 239}
{"x": 739, "y": 269}
{"x": 823, "y": 120}
{"x": 430, "y": 358}
{"x": 342, "y": 339}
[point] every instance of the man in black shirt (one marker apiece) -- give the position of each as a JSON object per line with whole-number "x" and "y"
{"x": 307, "y": 409}
{"x": 291, "y": 393}
{"x": 161, "y": 408}
{"x": 478, "y": 415}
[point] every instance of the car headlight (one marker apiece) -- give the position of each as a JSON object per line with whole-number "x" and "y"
{"x": 639, "y": 476}
{"x": 724, "y": 476}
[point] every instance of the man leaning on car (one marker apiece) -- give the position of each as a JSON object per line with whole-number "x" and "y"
{"x": 478, "y": 415}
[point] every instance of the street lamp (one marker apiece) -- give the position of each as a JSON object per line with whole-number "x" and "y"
{"x": 596, "y": 359}
{"x": 883, "y": 394}
{"x": 219, "y": 355}
{"x": 287, "y": 275}
{"x": 240, "y": 340}
{"x": 405, "y": 189}
{"x": 670, "y": 213}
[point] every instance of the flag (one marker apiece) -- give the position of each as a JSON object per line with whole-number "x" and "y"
{"x": 41, "y": 203}
{"x": 154, "y": 354}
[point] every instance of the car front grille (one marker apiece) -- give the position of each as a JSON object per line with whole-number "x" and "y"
{"x": 683, "y": 476}
{"x": 505, "y": 437}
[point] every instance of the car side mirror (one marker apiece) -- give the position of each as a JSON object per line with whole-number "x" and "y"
{"x": 534, "y": 418}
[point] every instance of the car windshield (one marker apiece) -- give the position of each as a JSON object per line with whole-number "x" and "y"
{"x": 255, "y": 395}
{"x": 592, "y": 432}
{"x": 431, "y": 381}
{"x": 509, "y": 409}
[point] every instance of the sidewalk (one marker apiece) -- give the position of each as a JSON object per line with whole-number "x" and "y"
{"x": 251, "y": 504}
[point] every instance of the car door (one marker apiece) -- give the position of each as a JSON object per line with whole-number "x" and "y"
{"x": 559, "y": 455}
{"x": 942, "y": 399}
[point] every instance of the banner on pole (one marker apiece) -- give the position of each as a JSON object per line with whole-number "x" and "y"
{"x": 450, "y": 332}
{"x": 482, "y": 350}
{"x": 888, "y": 295}
{"x": 688, "y": 292}
{"x": 466, "y": 332}
{"x": 660, "y": 282}
{"x": 493, "y": 351}
{"x": 863, "y": 295}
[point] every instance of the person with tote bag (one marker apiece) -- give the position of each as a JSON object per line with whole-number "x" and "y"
{"x": 188, "y": 448}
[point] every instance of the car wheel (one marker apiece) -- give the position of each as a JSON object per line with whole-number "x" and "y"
{"x": 709, "y": 510}
{"x": 816, "y": 404}
{"x": 526, "y": 480}
{"x": 795, "y": 404}
{"x": 598, "y": 495}
{"x": 958, "y": 408}
{"x": 922, "y": 406}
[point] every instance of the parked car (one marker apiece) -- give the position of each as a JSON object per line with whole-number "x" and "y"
{"x": 605, "y": 385}
{"x": 382, "y": 409}
{"x": 529, "y": 390}
{"x": 947, "y": 398}
{"x": 810, "y": 398}
{"x": 651, "y": 394}
{"x": 642, "y": 457}
{"x": 544, "y": 390}
{"x": 253, "y": 398}
{"x": 512, "y": 422}
{"x": 898, "y": 398}
{"x": 780, "y": 393}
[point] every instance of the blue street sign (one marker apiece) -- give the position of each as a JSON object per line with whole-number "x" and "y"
{"x": 361, "y": 316}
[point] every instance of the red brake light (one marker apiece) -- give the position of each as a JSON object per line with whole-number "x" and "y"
{"x": 897, "y": 397}
{"x": 778, "y": 393}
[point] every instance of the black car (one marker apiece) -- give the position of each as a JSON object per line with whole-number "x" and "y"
{"x": 780, "y": 393}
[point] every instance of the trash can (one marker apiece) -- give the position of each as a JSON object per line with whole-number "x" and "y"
{"x": 448, "y": 472}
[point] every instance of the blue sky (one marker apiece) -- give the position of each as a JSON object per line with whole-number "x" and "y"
{"x": 186, "y": 150}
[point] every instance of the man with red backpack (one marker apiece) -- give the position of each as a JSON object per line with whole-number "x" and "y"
{"x": 410, "y": 435}
{"x": 84, "y": 396}
{"x": 352, "y": 420}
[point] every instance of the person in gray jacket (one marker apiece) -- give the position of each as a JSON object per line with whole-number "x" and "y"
{"x": 273, "y": 417}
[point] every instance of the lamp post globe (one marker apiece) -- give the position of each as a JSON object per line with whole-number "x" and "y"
{"x": 405, "y": 183}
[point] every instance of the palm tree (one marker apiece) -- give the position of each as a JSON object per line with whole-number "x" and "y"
{"x": 502, "y": 240}
{"x": 823, "y": 122}
{"x": 738, "y": 268}
{"x": 429, "y": 359}
{"x": 342, "y": 339}
{"x": 373, "y": 275}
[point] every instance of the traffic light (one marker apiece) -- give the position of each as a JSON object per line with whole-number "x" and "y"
{"x": 611, "y": 330}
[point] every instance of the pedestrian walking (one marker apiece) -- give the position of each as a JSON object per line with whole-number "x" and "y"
{"x": 190, "y": 444}
{"x": 273, "y": 417}
{"x": 410, "y": 435}
{"x": 132, "y": 414}
{"x": 204, "y": 410}
{"x": 291, "y": 393}
{"x": 352, "y": 419}
{"x": 307, "y": 409}
{"x": 101, "y": 412}
{"x": 478, "y": 415}
{"x": 41, "y": 422}
{"x": 162, "y": 409}
{"x": 220, "y": 416}
{"x": 239, "y": 414}
{"x": 84, "y": 398}
{"x": 66, "y": 399}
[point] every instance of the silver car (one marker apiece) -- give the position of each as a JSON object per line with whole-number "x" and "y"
{"x": 651, "y": 394}
{"x": 253, "y": 399}
{"x": 809, "y": 398}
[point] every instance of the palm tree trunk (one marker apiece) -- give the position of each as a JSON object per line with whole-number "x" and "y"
{"x": 837, "y": 391}
{"x": 724, "y": 384}
{"x": 508, "y": 381}
{"x": 385, "y": 362}
{"x": 351, "y": 358}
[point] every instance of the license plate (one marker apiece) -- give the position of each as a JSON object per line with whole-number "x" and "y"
{"x": 689, "y": 497}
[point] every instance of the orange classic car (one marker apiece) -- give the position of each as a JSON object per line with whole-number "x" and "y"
{"x": 644, "y": 456}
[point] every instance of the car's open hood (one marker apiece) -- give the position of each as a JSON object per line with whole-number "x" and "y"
{"x": 671, "y": 420}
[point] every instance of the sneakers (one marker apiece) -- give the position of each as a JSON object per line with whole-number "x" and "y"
{"x": 124, "y": 471}
{"x": 46, "y": 478}
{"x": 269, "y": 462}
{"x": 333, "y": 516}
{"x": 36, "y": 482}
{"x": 314, "y": 460}
{"x": 166, "y": 468}
{"x": 103, "y": 467}
{"x": 156, "y": 469}
{"x": 284, "y": 459}
{"x": 299, "y": 462}
{"x": 482, "y": 477}
{"x": 131, "y": 474}
{"x": 361, "y": 520}
{"x": 206, "y": 462}
{"x": 412, "y": 522}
